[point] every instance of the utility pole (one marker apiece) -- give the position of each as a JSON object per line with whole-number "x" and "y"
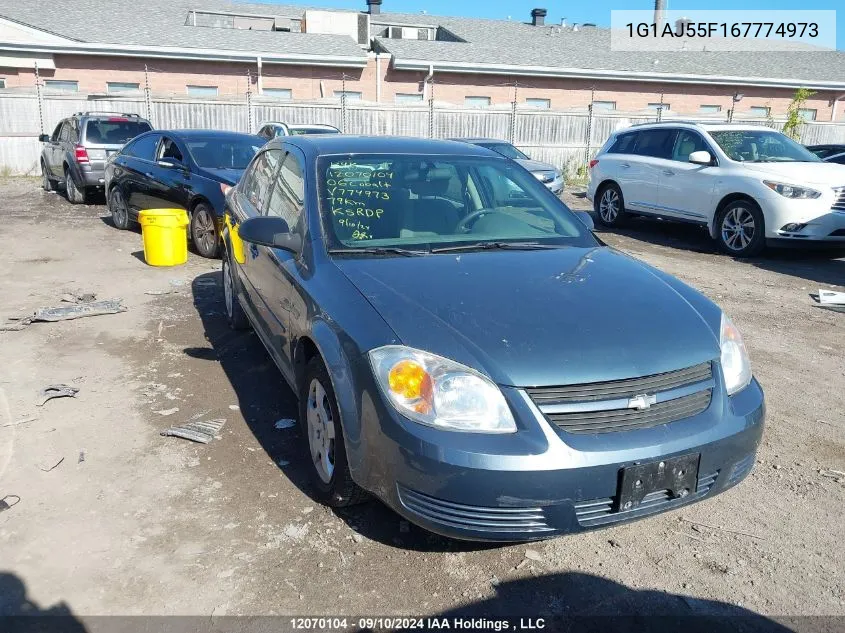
{"x": 589, "y": 125}
{"x": 249, "y": 101}
{"x": 147, "y": 99}
{"x": 513, "y": 112}
{"x": 40, "y": 100}
{"x": 343, "y": 103}
{"x": 660, "y": 109}
{"x": 431, "y": 108}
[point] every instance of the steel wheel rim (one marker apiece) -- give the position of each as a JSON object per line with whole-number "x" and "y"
{"x": 204, "y": 231}
{"x": 738, "y": 228}
{"x": 321, "y": 435}
{"x": 609, "y": 205}
{"x": 227, "y": 287}
{"x": 118, "y": 209}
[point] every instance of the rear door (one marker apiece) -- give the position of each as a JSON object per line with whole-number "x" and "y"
{"x": 686, "y": 189}
{"x": 642, "y": 172}
{"x": 135, "y": 167}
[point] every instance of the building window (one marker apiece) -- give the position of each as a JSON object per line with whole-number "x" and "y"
{"x": 604, "y": 105}
{"x": 61, "y": 85}
{"x": 761, "y": 111}
{"x": 2, "y": 83}
{"x": 351, "y": 95}
{"x": 202, "y": 91}
{"x": 709, "y": 109}
{"x": 122, "y": 86}
{"x": 541, "y": 104}
{"x": 659, "y": 106}
{"x": 808, "y": 114}
{"x": 405, "y": 97}
{"x": 477, "y": 102}
{"x": 278, "y": 93}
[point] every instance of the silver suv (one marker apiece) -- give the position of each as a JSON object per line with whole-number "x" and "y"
{"x": 74, "y": 155}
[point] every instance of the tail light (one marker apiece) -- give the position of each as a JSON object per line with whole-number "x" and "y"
{"x": 225, "y": 188}
{"x": 81, "y": 154}
{"x": 594, "y": 162}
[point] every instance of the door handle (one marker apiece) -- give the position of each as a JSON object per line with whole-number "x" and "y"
{"x": 625, "y": 165}
{"x": 253, "y": 250}
{"x": 668, "y": 172}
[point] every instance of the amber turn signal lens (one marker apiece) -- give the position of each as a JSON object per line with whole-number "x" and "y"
{"x": 409, "y": 380}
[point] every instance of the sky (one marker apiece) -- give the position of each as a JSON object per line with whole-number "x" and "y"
{"x": 596, "y": 11}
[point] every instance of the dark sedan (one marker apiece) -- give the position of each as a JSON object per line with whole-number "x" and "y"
{"x": 465, "y": 349}
{"x": 185, "y": 169}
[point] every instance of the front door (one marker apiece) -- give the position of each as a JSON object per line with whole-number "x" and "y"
{"x": 171, "y": 181}
{"x": 54, "y": 153}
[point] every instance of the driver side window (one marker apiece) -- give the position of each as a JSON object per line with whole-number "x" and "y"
{"x": 57, "y": 133}
{"x": 168, "y": 150}
{"x": 687, "y": 143}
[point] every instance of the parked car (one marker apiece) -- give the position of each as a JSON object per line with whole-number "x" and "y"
{"x": 825, "y": 151}
{"x": 749, "y": 185}
{"x": 272, "y": 129}
{"x": 546, "y": 173}
{"x": 481, "y": 363}
{"x": 74, "y": 155}
{"x": 186, "y": 169}
{"x": 839, "y": 159}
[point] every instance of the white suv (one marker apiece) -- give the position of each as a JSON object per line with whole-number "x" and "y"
{"x": 749, "y": 185}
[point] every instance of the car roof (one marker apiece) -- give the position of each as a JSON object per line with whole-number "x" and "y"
{"x": 299, "y": 125}
{"x": 342, "y": 144}
{"x": 696, "y": 125}
{"x": 480, "y": 140}
{"x": 193, "y": 134}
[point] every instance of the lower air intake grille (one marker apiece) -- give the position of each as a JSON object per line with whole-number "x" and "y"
{"x": 838, "y": 199}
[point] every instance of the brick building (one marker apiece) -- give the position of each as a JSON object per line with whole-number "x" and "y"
{"x": 207, "y": 48}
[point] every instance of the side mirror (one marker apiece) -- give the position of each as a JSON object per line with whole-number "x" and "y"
{"x": 44, "y": 138}
{"x": 701, "y": 158}
{"x": 270, "y": 231}
{"x": 586, "y": 219}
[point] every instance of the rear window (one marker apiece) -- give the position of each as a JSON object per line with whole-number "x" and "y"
{"x": 624, "y": 144}
{"x": 114, "y": 131}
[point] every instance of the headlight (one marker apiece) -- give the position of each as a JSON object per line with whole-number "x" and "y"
{"x": 735, "y": 364}
{"x": 544, "y": 176}
{"x": 791, "y": 191}
{"x": 439, "y": 392}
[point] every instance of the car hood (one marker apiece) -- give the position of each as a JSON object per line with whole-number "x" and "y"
{"x": 227, "y": 176}
{"x": 802, "y": 173}
{"x": 535, "y": 318}
{"x": 535, "y": 165}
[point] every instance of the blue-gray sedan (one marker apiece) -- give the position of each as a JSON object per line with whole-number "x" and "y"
{"x": 464, "y": 348}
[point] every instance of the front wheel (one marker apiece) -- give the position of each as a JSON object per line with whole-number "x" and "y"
{"x": 741, "y": 229}
{"x": 234, "y": 312}
{"x": 610, "y": 206}
{"x": 204, "y": 231}
{"x": 320, "y": 421}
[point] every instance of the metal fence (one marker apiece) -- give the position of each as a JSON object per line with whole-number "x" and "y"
{"x": 566, "y": 139}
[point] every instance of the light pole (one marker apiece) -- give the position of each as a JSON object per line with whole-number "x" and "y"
{"x": 736, "y": 99}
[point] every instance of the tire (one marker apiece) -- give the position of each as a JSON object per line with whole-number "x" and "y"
{"x": 205, "y": 234}
{"x": 119, "y": 209}
{"x": 324, "y": 439}
{"x": 741, "y": 229}
{"x": 234, "y": 312}
{"x": 47, "y": 183}
{"x": 609, "y": 206}
{"x": 75, "y": 195}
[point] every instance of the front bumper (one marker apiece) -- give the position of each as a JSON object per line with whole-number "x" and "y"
{"x": 540, "y": 482}
{"x": 817, "y": 220}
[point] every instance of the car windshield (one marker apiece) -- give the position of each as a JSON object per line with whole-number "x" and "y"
{"x": 298, "y": 131}
{"x": 425, "y": 202}
{"x": 507, "y": 150}
{"x": 763, "y": 146}
{"x": 114, "y": 131}
{"x": 216, "y": 152}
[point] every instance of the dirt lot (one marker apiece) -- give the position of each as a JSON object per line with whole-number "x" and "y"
{"x": 134, "y": 523}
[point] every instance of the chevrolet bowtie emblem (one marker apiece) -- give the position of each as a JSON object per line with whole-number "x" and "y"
{"x": 642, "y": 402}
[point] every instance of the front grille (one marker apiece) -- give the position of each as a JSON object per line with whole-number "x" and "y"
{"x": 597, "y": 512}
{"x": 838, "y": 199}
{"x": 604, "y": 407}
{"x": 475, "y": 518}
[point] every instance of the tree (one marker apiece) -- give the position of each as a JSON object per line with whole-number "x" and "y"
{"x": 794, "y": 120}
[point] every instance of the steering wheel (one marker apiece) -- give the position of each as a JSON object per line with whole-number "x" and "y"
{"x": 463, "y": 225}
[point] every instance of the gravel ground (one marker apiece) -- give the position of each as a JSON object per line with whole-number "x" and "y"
{"x": 130, "y": 522}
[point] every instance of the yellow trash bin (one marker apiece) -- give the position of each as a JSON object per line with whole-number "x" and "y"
{"x": 165, "y": 234}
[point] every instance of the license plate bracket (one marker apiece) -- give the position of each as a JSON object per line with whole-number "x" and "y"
{"x": 678, "y": 475}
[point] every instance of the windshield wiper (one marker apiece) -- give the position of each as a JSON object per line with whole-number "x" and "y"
{"x": 378, "y": 250}
{"x": 505, "y": 246}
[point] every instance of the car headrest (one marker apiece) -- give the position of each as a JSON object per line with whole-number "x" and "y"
{"x": 431, "y": 182}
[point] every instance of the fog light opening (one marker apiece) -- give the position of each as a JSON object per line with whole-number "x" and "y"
{"x": 792, "y": 227}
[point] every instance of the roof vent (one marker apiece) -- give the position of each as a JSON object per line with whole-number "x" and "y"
{"x": 374, "y": 7}
{"x": 588, "y": 25}
{"x": 538, "y": 17}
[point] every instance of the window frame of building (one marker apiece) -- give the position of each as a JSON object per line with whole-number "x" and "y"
{"x": 659, "y": 106}
{"x": 408, "y": 97}
{"x": 196, "y": 90}
{"x": 762, "y": 111}
{"x": 2, "y": 83}
{"x": 62, "y": 85}
{"x": 477, "y": 101}
{"x": 282, "y": 94}
{"x": 602, "y": 105}
{"x": 808, "y": 114}
{"x": 709, "y": 108}
{"x": 351, "y": 95}
{"x": 538, "y": 103}
{"x": 122, "y": 86}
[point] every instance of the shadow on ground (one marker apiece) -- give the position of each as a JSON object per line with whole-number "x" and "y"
{"x": 814, "y": 265}
{"x": 16, "y": 609}
{"x": 264, "y": 397}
